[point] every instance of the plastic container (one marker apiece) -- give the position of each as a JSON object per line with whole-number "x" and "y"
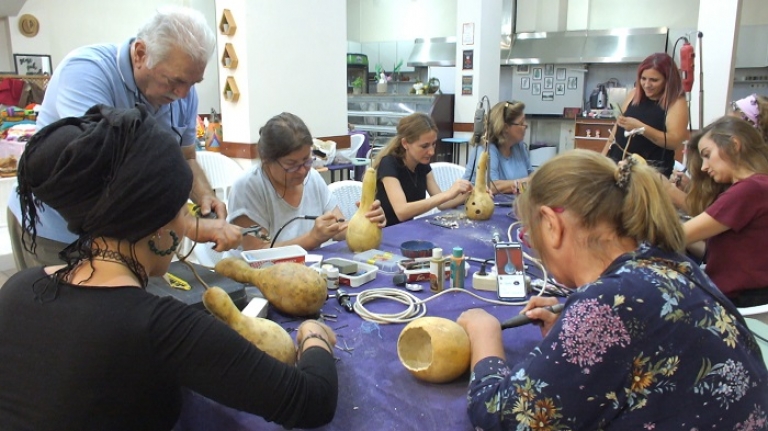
{"x": 457, "y": 268}
{"x": 437, "y": 270}
{"x": 364, "y": 274}
{"x": 270, "y": 256}
{"x": 385, "y": 261}
{"x": 332, "y": 278}
{"x": 418, "y": 270}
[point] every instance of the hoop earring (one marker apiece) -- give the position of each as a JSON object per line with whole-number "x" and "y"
{"x": 153, "y": 248}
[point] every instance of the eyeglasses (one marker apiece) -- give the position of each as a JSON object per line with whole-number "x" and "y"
{"x": 291, "y": 169}
{"x": 523, "y": 125}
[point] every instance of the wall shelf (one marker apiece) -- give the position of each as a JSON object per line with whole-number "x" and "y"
{"x": 227, "y": 24}
{"x": 229, "y": 58}
{"x": 231, "y": 92}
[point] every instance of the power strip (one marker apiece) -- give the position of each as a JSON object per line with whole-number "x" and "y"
{"x": 485, "y": 282}
{"x": 256, "y": 308}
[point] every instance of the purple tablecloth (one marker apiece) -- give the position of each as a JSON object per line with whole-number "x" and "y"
{"x": 375, "y": 391}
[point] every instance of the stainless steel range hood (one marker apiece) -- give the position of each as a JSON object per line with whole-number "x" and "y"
{"x": 586, "y": 46}
{"x": 546, "y": 47}
{"x": 630, "y": 45}
{"x": 437, "y": 51}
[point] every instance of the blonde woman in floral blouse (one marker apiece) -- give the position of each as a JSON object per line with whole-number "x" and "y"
{"x": 645, "y": 341}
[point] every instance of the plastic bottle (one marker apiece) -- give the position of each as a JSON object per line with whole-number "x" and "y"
{"x": 457, "y": 268}
{"x": 332, "y": 278}
{"x": 437, "y": 270}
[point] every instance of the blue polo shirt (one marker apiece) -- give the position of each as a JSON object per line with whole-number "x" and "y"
{"x": 516, "y": 166}
{"x": 100, "y": 74}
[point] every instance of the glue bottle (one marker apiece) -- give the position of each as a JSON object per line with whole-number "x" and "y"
{"x": 437, "y": 270}
{"x": 457, "y": 268}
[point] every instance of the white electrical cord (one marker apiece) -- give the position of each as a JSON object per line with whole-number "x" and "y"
{"x": 415, "y": 307}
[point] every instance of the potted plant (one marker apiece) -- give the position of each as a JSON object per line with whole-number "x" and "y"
{"x": 357, "y": 85}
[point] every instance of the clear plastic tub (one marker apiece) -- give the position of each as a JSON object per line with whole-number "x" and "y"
{"x": 270, "y": 256}
{"x": 386, "y": 261}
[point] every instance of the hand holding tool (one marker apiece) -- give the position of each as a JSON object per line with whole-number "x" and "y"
{"x": 522, "y": 319}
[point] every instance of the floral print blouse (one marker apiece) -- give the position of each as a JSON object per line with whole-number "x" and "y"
{"x": 642, "y": 348}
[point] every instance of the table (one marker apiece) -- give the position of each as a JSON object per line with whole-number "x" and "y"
{"x": 375, "y": 391}
{"x": 456, "y": 142}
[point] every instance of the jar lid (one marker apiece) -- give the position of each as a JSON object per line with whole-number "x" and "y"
{"x": 437, "y": 252}
{"x": 458, "y": 252}
{"x": 333, "y": 271}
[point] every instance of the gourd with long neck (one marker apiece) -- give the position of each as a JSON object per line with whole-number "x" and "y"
{"x": 362, "y": 233}
{"x": 479, "y": 205}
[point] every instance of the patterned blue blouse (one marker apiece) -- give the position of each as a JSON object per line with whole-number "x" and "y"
{"x": 642, "y": 348}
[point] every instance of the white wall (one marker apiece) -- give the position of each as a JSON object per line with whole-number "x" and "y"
{"x": 6, "y": 56}
{"x": 385, "y": 20}
{"x": 65, "y": 25}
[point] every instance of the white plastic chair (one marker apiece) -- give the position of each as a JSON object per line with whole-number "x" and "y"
{"x": 446, "y": 174}
{"x": 758, "y": 312}
{"x": 347, "y": 193}
{"x": 221, "y": 172}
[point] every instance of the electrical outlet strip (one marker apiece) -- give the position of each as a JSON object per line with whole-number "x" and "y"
{"x": 256, "y": 308}
{"x": 485, "y": 282}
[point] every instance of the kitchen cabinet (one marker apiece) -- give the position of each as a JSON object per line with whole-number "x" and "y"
{"x": 404, "y": 49}
{"x": 378, "y": 114}
{"x": 388, "y": 54}
{"x": 371, "y": 49}
{"x": 592, "y": 133}
{"x": 752, "y": 46}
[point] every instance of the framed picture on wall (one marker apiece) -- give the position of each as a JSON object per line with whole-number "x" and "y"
{"x": 525, "y": 83}
{"x": 560, "y": 74}
{"x": 549, "y": 70}
{"x": 549, "y": 83}
{"x": 32, "y": 64}
{"x": 523, "y": 69}
{"x": 536, "y": 73}
{"x": 560, "y": 88}
{"x": 573, "y": 82}
{"x": 536, "y": 88}
{"x": 547, "y": 96}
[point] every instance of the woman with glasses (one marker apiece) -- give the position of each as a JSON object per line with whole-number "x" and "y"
{"x": 509, "y": 163}
{"x": 405, "y": 176}
{"x": 645, "y": 340}
{"x": 283, "y": 187}
{"x": 656, "y": 111}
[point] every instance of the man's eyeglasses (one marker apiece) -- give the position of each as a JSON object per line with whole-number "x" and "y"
{"x": 291, "y": 169}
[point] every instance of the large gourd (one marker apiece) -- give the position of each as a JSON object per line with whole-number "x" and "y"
{"x": 263, "y": 333}
{"x": 479, "y": 205}
{"x": 434, "y": 349}
{"x": 290, "y": 287}
{"x": 363, "y": 234}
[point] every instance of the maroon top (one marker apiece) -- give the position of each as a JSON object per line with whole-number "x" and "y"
{"x": 736, "y": 258}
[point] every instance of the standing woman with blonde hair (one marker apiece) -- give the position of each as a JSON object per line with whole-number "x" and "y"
{"x": 509, "y": 161}
{"x": 657, "y": 107}
{"x": 405, "y": 176}
{"x": 728, "y": 163}
{"x": 645, "y": 340}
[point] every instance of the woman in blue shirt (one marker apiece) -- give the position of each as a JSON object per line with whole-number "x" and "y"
{"x": 509, "y": 162}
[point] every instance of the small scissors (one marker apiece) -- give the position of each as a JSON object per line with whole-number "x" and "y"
{"x": 258, "y": 232}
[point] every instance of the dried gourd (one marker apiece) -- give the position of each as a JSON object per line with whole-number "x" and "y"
{"x": 263, "y": 333}
{"x": 479, "y": 204}
{"x": 290, "y": 287}
{"x": 362, "y": 233}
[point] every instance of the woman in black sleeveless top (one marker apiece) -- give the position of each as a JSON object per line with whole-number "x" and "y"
{"x": 657, "y": 104}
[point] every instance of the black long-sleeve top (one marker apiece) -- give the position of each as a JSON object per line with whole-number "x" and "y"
{"x": 117, "y": 358}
